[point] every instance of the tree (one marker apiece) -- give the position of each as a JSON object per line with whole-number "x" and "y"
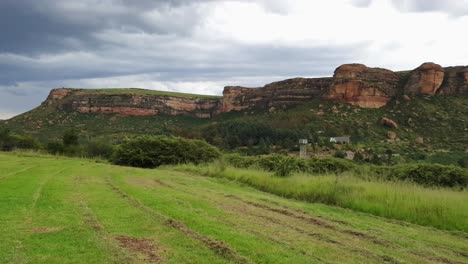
{"x": 6, "y": 141}
{"x": 70, "y": 138}
{"x": 389, "y": 153}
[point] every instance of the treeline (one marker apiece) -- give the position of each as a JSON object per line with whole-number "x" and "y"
{"x": 10, "y": 141}
{"x": 143, "y": 151}
{"x": 259, "y": 136}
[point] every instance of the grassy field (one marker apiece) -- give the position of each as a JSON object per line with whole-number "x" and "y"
{"x": 59, "y": 210}
{"x": 441, "y": 208}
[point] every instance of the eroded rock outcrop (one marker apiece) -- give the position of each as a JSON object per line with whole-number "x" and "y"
{"x": 363, "y": 86}
{"x": 388, "y": 122}
{"x": 58, "y": 94}
{"x": 132, "y": 103}
{"x": 426, "y": 79}
{"x": 278, "y": 95}
{"x": 456, "y": 81}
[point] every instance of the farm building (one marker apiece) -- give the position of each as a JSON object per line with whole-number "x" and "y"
{"x": 341, "y": 140}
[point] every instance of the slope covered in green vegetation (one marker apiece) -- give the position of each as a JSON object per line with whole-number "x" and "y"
{"x": 425, "y": 124}
{"x": 61, "y": 210}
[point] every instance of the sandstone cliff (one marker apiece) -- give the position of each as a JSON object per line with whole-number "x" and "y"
{"x": 426, "y": 79}
{"x": 277, "y": 95}
{"x": 359, "y": 85}
{"x": 351, "y": 83}
{"x": 131, "y": 102}
{"x": 456, "y": 81}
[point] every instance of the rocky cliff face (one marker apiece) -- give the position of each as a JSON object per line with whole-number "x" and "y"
{"x": 456, "y": 81}
{"x": 277, "y": 95}
{"x": 351, "y": 83}
{"x": 426, "y": 79}
{"x": 359, "y": 85}
{"x": 136, "y": 104}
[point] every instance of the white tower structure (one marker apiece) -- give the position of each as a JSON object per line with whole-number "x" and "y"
{"x": 303, "y": 148}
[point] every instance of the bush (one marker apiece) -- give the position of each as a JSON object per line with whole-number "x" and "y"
{"x": 425, "y": 174}
{"x": 154, "y": 151}
{"x": 25, "y": 142}
{"x": 97, "y": 148}
{"x": 239, "y": 161}
{"x": 70, "y": 138}
{"x": 328, "y": 165}
{"x": 285, "y": 167}
{"x": 10, "y": 141}
{"x": 55, "y": 148}
{"x": 282, "y": 163}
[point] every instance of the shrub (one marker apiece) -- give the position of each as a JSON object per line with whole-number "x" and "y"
{"x": 239, "y": 161}
{"x": 154, "y": 151}
{"x": 340, "y": 154}
{"x": 282, "y": 163}
{"x": 25, "y": 142}
{"x": 285, "y": 166}
{"x": 55, "y": 148}
{"x": 98, "y": 148}
{"x": 70, "y": 138}
{"x": 329, "y": 165}
{"x": 425, "y": 174}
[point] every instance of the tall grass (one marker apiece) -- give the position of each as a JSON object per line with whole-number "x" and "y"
{"x": 437, "y": 207}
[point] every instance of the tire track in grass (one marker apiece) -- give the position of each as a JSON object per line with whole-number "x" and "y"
{"x": 359, "y": 251}
{"x": 221, "y": 248}
{"x": 91, "y": 221}
{"x": 222, "y": 200}
{"x": 16, "y": 172}
{"x": 305, "y": 217}
{"x": 158, "y": 183}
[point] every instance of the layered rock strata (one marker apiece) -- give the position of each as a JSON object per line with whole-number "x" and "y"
{"x": 426, "y": 79}
{"x": 356, "y": 84}
{"x": 359, "y": 85}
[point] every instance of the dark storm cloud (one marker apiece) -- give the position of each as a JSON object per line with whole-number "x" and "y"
{"x": 37, "y": 26}
{"x": 46, "y": 43}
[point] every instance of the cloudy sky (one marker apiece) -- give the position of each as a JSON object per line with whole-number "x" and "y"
{"x": 200, "y": 46}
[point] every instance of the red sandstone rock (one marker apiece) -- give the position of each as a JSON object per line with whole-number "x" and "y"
{"x": 426, "y": 79}
{"x": 59, "y": 94}
{"x": 388, "y": 122}
{"x": 456, "y": 81}
{"x": 362, "y": 86}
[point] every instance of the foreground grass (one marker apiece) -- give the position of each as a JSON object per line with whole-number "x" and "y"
{"x": 440, "y": 208}
{"x": 58, "y": 210}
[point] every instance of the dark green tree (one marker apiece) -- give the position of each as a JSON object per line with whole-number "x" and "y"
{"x": 70, "y": 138}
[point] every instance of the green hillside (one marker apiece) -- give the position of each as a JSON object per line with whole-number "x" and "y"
{"x": 436, "y": 123}
{"x": 146, "y": 91}
{"x": 61, "y": 210}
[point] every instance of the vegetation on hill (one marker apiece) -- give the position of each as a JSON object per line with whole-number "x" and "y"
{"x": 147, "y": 92}
{"x": 430, "y": 129}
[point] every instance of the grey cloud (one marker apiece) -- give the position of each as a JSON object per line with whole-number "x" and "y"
{"x": 456, "y": 8}
{"x": 36, "y": 26}
{"x": 361, "y": 3}
{"x": 48, "y": 43}
{"x": 452, "y": 7}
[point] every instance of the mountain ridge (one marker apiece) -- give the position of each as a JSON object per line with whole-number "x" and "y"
{"x": 355, "y": 84}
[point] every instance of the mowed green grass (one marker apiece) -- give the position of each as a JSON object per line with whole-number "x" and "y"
{"x": 442, "y": 208}
{"x": 59, "y": 210}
